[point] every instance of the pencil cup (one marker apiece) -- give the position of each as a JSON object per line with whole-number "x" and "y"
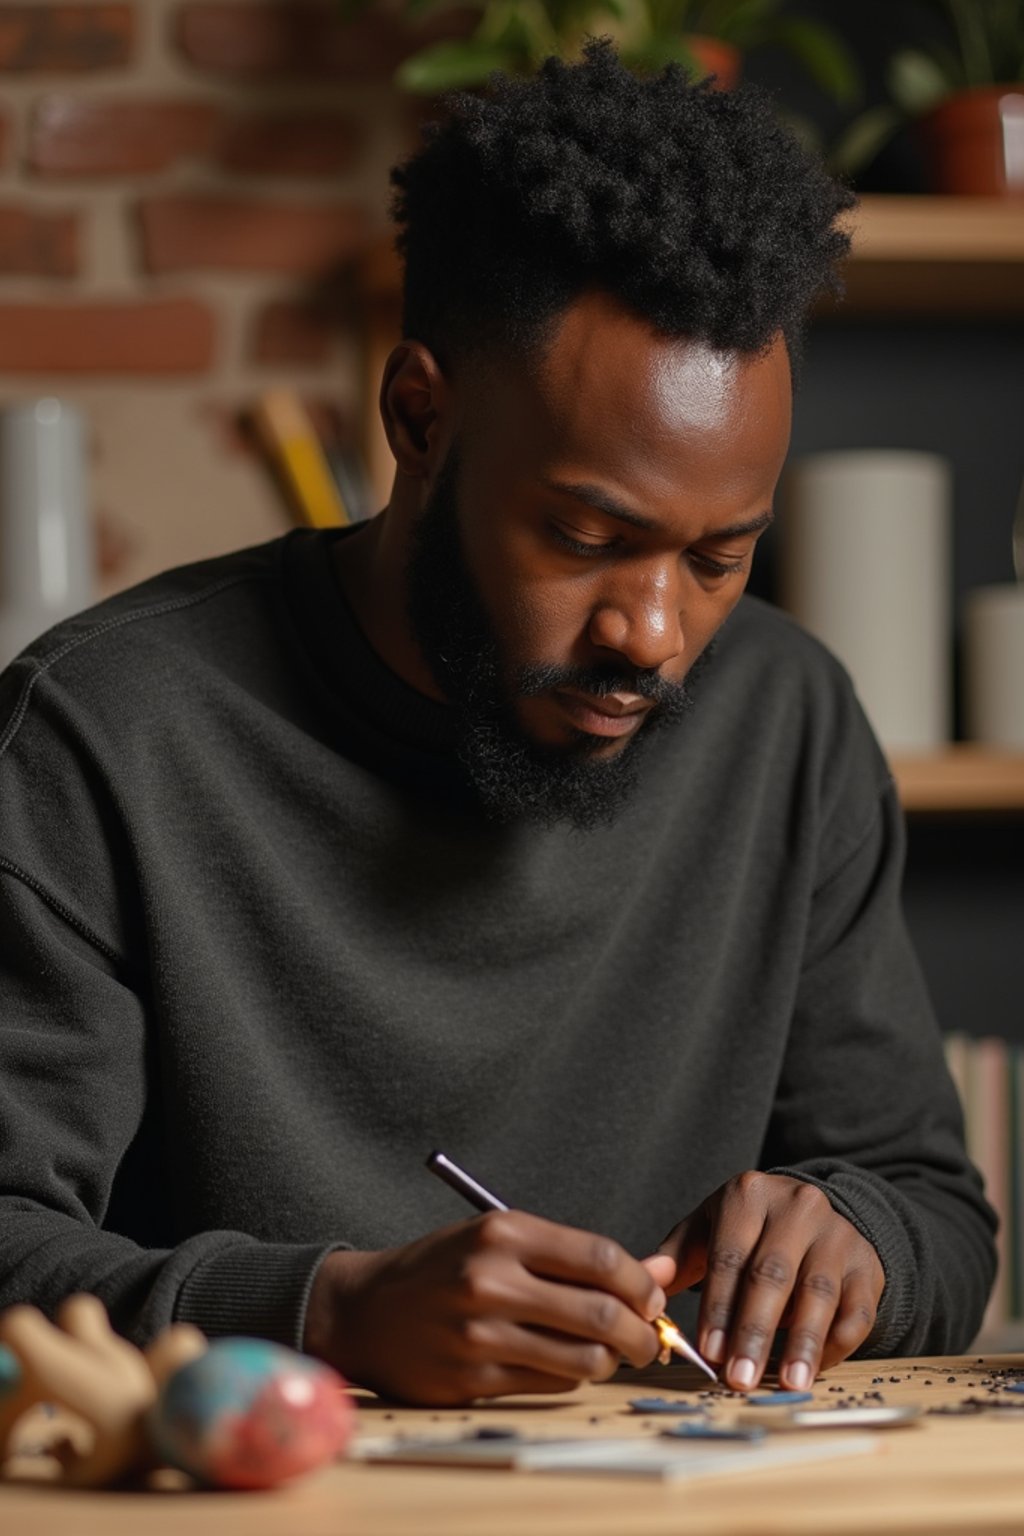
{"x": 47, "y": 560}
{"x": 866, "y": 568}
{"x": 994, "y": 665}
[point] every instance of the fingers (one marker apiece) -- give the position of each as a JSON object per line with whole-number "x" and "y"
{"x": 599, "y": 1309}
{"x": 778, "y": 1252}
{"x": 557, "y": 1356}
{"x": 580, "y": 1258}
{"x": 596, "y": 1316}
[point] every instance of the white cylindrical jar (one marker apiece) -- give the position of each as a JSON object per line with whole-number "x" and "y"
{"x": 47, "y": 557}
{"x": 994, "y": 665}
{"x": 866, "y": 568}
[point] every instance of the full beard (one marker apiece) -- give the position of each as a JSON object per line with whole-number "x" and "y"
{"x": 516, "y": 778}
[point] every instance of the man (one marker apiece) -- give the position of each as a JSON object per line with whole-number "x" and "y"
{"x": 500, "y": 824}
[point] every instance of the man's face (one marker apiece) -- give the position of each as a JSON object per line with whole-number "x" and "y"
{"x": 592, "y": 527}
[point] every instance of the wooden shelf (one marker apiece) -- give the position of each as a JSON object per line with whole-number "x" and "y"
{"x": 927, "y": 229}
{"x": 928, "y": 255}
{"x": 961, "y": 779}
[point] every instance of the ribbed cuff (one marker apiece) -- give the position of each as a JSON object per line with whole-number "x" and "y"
{"x": 256, "y": 1289}
{"x": 854, "y": 1195}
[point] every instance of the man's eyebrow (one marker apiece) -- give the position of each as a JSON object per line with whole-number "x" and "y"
{"x": 594, "y": 496}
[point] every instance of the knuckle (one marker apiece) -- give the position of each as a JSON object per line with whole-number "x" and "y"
{"x": 749, "y": 1184}
{"x": 726, "y": 1262}
{"x": 756, "y": 1333}
{"x": 820, "y": 1285}
{"x": 477, "y": 1336}
{"x": 605, "y": 1313}
{"x": 809, "y": 1198}
{"x": 772, "y": 1269}
{"x": 596, "y": 1362}
{"x": 853, "y": 1327}
{"x": 717, "y": 1314}
{"x": 804, "y": 1342}
{"x": 497, "y": 1229}
{"x": 604, "y": 1256}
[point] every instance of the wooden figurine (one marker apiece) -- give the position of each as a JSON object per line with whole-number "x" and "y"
{"x": 239, "y": 1413}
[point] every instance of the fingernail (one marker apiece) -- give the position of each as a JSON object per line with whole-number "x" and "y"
{"x": 798, "y": 1374}
{"x": 742, "y": 1372}
{"x": 714, "y": 1349}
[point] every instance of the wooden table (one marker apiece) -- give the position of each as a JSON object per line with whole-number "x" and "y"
{"x": 945, "y": 1474}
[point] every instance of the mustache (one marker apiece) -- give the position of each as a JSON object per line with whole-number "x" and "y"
{"x": 600, "y": 681}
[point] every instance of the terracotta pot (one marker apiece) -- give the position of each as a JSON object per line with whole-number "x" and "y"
{"x": 974, "y": 142}
{"x": 718, "y": 58}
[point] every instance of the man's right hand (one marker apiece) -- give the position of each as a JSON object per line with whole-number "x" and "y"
{"x": 504, "y": 1303}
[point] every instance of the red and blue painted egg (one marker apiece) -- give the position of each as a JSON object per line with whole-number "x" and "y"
{"x": 250, "y": 1414}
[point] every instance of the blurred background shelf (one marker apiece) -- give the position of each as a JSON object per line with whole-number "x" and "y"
{"x": 963, "y": 779}
{"x": 980, "y": 230}
{"x": 950, "y": 256}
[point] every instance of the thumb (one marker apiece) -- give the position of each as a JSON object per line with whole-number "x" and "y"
{"x": 662, "y": 1269}
{"x": 685, "y": 1248}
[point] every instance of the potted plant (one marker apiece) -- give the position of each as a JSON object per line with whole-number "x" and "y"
{"x": 706, "y": 36}
{"x": 964, "y": 93}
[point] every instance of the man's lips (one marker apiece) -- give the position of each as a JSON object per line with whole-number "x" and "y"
{"x": 610, "y": 714}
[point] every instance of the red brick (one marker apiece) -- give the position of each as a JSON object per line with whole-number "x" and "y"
{"x": 43, "y": 244}
{"x": 4, "y": 138}
{"x": 293, "y": 144}
{"x": 65, "y": 39}
{"x": 246, "y": 235}
{"x": 301, "y": 37}
{"x": 162, "y": 337}
{"x": 72, "y": 136}
{"x": 290, "y": 333}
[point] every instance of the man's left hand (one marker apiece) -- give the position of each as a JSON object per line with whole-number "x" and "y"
{"x": 772, "y": 1253}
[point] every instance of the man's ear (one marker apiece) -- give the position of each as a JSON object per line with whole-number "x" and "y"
{"x": 414, "y": 400}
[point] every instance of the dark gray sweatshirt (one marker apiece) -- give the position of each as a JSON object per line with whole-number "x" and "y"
{"x": 260, "y": 952}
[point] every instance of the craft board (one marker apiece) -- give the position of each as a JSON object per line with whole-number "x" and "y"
{"x": 659, "y": 1458}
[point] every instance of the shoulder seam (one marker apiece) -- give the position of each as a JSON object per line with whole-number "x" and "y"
{"x": 171, "y": 605}
{"x": 56, "y": 905}
{"x": 883, "y": 790}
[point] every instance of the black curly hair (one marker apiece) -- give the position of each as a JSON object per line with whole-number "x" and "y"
{"x": 695, "y": 207}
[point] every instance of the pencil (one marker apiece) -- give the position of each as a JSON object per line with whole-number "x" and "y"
{"x": 284, "y": 425}
{"x": 471, "y": 1189}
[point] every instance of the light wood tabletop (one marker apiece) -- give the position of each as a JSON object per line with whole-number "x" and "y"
{"x": 944, "y": 1473}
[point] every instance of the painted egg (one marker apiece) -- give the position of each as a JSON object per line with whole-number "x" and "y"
{"x": 10, "y": 1372}
{"x": 250, "y": 1414}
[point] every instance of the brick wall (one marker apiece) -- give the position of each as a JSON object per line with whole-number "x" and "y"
{"x": 180, "y": 183}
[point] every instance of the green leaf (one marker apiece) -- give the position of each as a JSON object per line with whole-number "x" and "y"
{"x": 451, "y": 66}
{"x": 862, "y": 140}
{"x": 917, "y": 80}
{"x": 743, "y": 22}
{"x": 825, "y": 57}
{"x": 418, "y": 8}
{"x": 655, "y": 52}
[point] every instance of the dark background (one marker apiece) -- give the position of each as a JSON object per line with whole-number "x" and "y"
{"x": 946, "y": 385}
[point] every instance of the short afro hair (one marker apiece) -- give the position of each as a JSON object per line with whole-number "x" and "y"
{"x": 695, "y": 207}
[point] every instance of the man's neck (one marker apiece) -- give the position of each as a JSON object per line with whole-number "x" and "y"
{"x": 371, "y": 566}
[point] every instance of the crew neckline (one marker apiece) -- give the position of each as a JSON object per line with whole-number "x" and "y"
{"x": 357, "y": 675}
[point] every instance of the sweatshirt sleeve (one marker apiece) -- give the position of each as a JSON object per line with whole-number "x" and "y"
{"x": 866, "y": 1109}
{"x": 75, "y": 1073}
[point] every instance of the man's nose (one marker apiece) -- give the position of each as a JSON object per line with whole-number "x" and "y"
{"x": 641, "y": 618}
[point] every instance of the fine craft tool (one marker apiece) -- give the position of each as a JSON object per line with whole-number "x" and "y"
{"x": 465, "y": 1185}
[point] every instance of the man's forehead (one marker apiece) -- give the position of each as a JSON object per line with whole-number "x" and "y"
{"x": 602, "y": 367}
{"x": 608, "y": 385}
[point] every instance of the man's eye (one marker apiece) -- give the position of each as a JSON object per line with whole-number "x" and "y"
{"x": 579, "y": 546}
{"x": 717, "y": 568}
